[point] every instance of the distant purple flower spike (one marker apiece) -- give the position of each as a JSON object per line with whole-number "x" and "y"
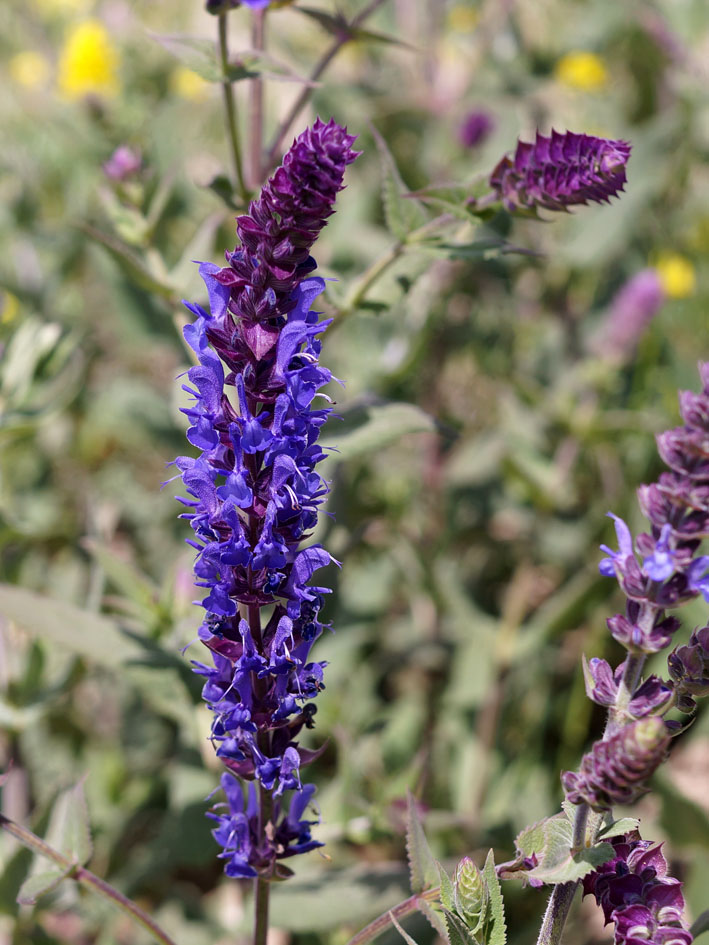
{"x": 124, "y": 163}
{"x": 255, "y": 495}
{"x": 630, "y": 312}
{"x": 561, "y": 171}
{"x": 476, "y": 127}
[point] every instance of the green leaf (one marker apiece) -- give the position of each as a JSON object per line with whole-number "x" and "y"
{"x": 39, "y": 884}
{"x": 127, "y": 578}
{"x": 199, "y": 55}
{"x": 700, "y": 924}
{"x": 556, "y": 864}
{"x": 618, "y": 827}
{"x": 385, "y": 424}
{"x": 402, "y": 932}
{"x": 458, "y": 932}
{"x": 432, "y": 915}
{"x": 478, "y": 249}
{"x": 134, "y": 268}
{"x": 68, "y": 829}
{"x": 495, "y": 930}
{"x": 423, "y": 868}
{"x": 403, "y": 213}
{"x": 88, "y": 634}
{"x": 447, "y": 889}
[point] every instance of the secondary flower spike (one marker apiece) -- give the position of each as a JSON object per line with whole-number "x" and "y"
{"x": 560, "y": 171}
{"x": 254, "y": 498}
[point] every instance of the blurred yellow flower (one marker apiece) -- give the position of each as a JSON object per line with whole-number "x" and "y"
{"x": 89, "y": 61}
{"x": 29, "y": 68}
{"x": 9, "y": 307}
{"x": 581, "y": 70}
{"x": 677, "y": 275}
{"x": 463, "y": 19}
{"x": 187, "y": 84}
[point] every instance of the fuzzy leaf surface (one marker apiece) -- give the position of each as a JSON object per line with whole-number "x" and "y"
{"x": 495, "y": 929}
{"x": 39, "y": 884}
{"x": 423, "y": 868}
{"x": 403, "y": 213}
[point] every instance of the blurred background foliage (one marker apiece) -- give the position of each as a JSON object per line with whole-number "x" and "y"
{"x": 486, "y": 429}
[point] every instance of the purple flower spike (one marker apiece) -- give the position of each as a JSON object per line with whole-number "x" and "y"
{"x": 254, "y": 496}
{"x": 561, "y": 171}
{"x": 636, "y": 894}
{"x": 615, "y": 770}
{"x": 631, "y": 311}
{"x": 602, "y": 684}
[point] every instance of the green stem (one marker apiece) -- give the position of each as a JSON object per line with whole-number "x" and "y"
{"x": 230, "y": 111}
{"x": 85, "y": 878}
{"x": 262, "y": 884}
{"x": 258, "y": 41}
{"x": 341, "y": 40}
{"x": 563, "y": 895}
{"x": 365, "y": 282}
{"x": 382, "y": 922}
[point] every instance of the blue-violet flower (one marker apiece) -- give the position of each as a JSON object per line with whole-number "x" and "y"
{"x": 254, "y": 495}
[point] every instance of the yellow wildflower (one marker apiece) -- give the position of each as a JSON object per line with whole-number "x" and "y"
{"x": 463, "y": 19}
{"x": 89, "y": 62}
{"x": 9, "y": 307}
{"x": 677, "y": 275}
{"x": 187, "y": 84}
{"x": 581, "y": 70}
{"x": 29, "y": 68}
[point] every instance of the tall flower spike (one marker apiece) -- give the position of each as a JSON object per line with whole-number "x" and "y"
{"x": 561, "y": 171}
{"x": 253, "y": 499}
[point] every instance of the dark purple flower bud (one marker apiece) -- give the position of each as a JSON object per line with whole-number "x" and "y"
{"x": 123, "y": 163}
{"x": 689, "y": 669}
{"x": 630, "y": 312}
{"x": 475, "y": 128}
{"x": 616, "y": 769}
{"x": 602, "y": 685}
{"x": 561, "y": 171}
{"x": 636, "y": 894}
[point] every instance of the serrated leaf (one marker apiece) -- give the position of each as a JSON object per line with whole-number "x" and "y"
{"x": 402, "y": 932}
{"x": 199, "y": 55}
{"x": 423, "y": 868}
{"x": 458, "y": 932}
{"x": 447, "y": 889}
{"x": 495, "y": 930}
{"x": 618, "y": 828}
{"x": 337, "y": 24}
{"x": 556, "y": 863}
{"x": 385, "y": 424}
{"x": 432, "y": 915}
{"x": 403, "y": 213}
{"x": 39, "y": 885}
{"x": 700, "y": 924}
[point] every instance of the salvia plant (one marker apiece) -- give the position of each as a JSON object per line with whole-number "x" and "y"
{"x": 258, "y": 397}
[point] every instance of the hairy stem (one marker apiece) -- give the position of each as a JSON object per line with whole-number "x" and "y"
{"x": 382, "y": 922}
{"x": 85, "y": 878}
{"x": 338, "y": 42}
{"x": 563, "y": 895}
{"x": 230, "y": 111}
{"x": 258, "y": 41}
